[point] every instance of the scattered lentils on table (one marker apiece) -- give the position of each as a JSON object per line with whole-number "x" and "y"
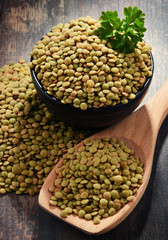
{"x": 31, "y": 140}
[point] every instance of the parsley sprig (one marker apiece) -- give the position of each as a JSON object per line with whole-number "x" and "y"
{"x": 123, "y": 34}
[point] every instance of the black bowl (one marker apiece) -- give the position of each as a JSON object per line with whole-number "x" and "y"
{"x": 92, "y": 118}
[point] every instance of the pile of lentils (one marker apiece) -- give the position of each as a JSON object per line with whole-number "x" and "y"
{"x": 97, "y": 179}
{"x": 31, "y": 140}
{"x": 77, "y": 67}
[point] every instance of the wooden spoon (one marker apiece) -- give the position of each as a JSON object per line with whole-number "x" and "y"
{"x": 139, "y": 132}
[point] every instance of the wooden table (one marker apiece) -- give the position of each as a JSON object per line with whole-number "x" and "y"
{"x": 22, "y": 23}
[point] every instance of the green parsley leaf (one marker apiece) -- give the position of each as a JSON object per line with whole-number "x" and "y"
{"x": 106, "y": 31}
{"x": 123, "y": 34}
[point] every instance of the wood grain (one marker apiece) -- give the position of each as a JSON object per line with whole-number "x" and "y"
{"x": 22, "y": 23}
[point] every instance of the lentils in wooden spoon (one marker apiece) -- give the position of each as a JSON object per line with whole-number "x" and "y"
{"x": 139, "y": 132}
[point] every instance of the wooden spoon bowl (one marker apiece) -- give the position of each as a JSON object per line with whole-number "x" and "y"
{"x": 139, "y": 132}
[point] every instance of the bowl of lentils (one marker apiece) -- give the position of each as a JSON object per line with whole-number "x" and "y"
{"x": 86, "y": 80}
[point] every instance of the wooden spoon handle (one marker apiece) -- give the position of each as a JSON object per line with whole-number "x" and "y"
{"x": 157, "y": 106}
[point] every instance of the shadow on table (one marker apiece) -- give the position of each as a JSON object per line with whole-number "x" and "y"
{"x": 132, "y": 228}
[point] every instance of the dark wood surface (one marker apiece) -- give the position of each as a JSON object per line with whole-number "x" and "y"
{"x": 22, "y": 23}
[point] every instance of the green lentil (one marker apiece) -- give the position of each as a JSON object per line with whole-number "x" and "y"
{"x": 96, "y": 220}
{"x": 64, "y": 213}
{"x": 111, "y": 211}
{"x": 88, "y": 216}
{"x": 81, "y": 213}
